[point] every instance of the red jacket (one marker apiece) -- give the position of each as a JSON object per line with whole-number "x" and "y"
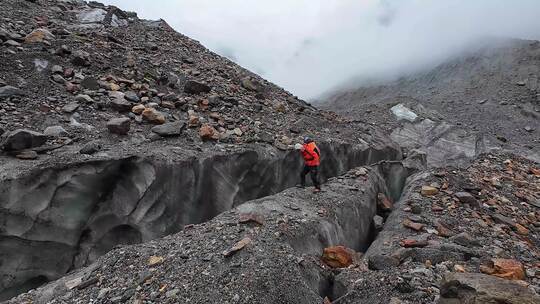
{"x": 311, "y": 154}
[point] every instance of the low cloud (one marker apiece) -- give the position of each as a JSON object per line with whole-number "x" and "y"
{"x": 311, "y": 46}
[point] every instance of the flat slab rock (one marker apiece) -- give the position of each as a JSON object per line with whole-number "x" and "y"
{"x": 481, "y": 288}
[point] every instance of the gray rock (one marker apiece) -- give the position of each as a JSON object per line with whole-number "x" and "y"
{"x": 84, "y": 98}
{"x": 8, "y": 91}
{"x": 103, "y": 292}
{"x": 96, "y": 15}
{"x": 378, "y": 222}
{"x": 12, "y": 43}
{"x": 81, "y": 58}
{"x": 56, "y": 69}
{"x": 382, "y": 262}
{"x": 90, "y": 148}
{"x": 503, "y": 220}
{"x": 194, "y": 87}
{"x": 55, "y": 131}
{"x": 22, "y": 139}
{"x": 464, "y": 239}
{"x": 119, "y": 126}
{"x": 529, "y": 129}
{"x": 170, "y": 129}
{"x": 4, "y": 34}
{"x": 172, "y": 293}
{"x": 467, "y": 198}
{"x": 90, "y": 83}
{"x": 58, "y": 78}
{"x": 481, "y": 288}
{"x": 132, "y": 96}
{"x": 120, "y": 105}
{"x": 252, "y": 84}
{"x": 71, "y": 107}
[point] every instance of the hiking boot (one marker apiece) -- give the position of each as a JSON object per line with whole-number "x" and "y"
{"x": 316, "y": 190}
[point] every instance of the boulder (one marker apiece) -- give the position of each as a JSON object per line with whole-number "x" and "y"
{"x": 464, "y": 239}
{"x": 27, "y": 155}
{"x": 55, "y": 131}
{"x": 505, "y": 268}
{"x": 56, "y": 69}
{"x": 119, "y": 126}
{"x": 58, "y": 78}
{"x": 88, "y": 16}
{"x": 252, "y": 84}
{"x": 81, "y": 58}
{"x": 413, "y": 225}
{"x": 71, "y": 107}
{"x": 138, "y": 109}
{"x": 38, "y": 35}
{"x": 170, "y": 129}
{"x": 22, "y": 139}
{"x": 207, "y": 132}
{"x": 378, "y": 222}
{"x": 90, "y": 148}
{"x": 403, "y": 113}
{"x": 383, "y": 202}
{"x": 120, "y": 104}
{"x": 429, "y": 191}
{"x": 90, "y": 83}
{"x": 466, "y": 198}
{"x": 153, "y": 116}
{"x": 194, "y": 87}
{"x": 132, "y": 96}
{"x": 477, "y": 288}
{"x": 382, "y": 262}
{"x": 338, "y": 256}
{"x": 8, "y": 91}
{"x": 84, "y": 98}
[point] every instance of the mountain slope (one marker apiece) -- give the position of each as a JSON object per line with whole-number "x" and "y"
{"x": 491, "y": 93}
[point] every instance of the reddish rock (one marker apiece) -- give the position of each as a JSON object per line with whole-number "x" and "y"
{"x": 412, "y": 243}
{"x": 415, "y": 226}
{"x": 153, "y": 116}
{"x": 207, "y": 132}
{"x": 505, "y": 268}
{"x": 443, "y": 230}
{"x": 251, "y": 218}
{"x": 521, "y": 229}
{"x": 338, "y": 256}
{"x": 237, "y": 247}
{"x": 38, "y": 35}
{"x": 384, "y": 202}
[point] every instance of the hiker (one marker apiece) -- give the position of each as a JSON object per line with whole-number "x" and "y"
{"x": 312, "y": 160}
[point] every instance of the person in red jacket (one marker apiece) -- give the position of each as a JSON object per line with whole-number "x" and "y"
{"x": 312, "y": 160}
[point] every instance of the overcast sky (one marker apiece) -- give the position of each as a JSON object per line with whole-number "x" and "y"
{"x": 311, "y": 46}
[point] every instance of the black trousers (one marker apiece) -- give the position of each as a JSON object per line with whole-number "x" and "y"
{"x": 314, "y": 172}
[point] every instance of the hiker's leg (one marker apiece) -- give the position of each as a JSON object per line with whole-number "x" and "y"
{"x": 315, "y": 177}
{"x": 303, "y": 176}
